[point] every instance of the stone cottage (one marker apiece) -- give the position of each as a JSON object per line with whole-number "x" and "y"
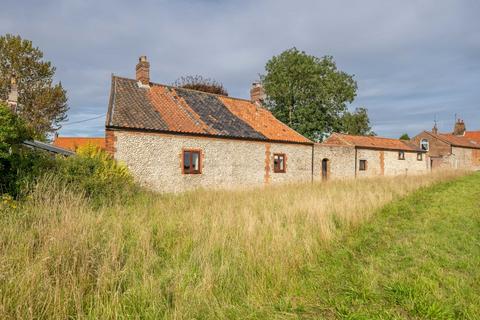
{"x": 343, "y": 155}
{"x": 175, "y": 139}
{"x": 457, "y": 150}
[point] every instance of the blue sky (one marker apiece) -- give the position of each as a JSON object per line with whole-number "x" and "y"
{"x": 413, "y": 60}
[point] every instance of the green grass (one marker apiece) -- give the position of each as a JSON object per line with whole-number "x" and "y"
{"x": 418, "y": 258}
{"x": 386, "y": 248}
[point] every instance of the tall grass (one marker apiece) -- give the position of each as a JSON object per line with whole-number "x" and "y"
{"x": 202, "y": 254}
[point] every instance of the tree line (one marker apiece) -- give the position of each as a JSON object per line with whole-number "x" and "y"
{"x": 308, "y": 93}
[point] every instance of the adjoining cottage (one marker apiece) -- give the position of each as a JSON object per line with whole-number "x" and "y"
{"x": 343, "y": 155}
{"x": 175, "y": 139}
{"x": 457, "y": 150}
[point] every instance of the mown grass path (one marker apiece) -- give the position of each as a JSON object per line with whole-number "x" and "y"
{"x": 417, "y": 258}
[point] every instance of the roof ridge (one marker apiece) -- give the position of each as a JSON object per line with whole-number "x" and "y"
{"x": 194, "y": 90}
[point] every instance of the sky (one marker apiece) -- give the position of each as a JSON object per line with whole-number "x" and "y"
{"x": 414, "y": 60}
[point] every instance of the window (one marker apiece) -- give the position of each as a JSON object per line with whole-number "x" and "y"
{"x": 279, "y": 163}
{"x": 424, "y": 144}
{"x": 191, "y": 162}
{"x": 419, "y": 156}
{"x": 363, "y": 165}
{"x": 401, "y": 155}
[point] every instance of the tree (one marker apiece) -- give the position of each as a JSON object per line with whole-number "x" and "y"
{"x": 42, "y": 104}
{"x": 201, "y": 84}
{"x": 405, "y": 136}
{"x": 13, "y": 131}
{"x": 308, "y": 93}
{"x": 357, "y": 123}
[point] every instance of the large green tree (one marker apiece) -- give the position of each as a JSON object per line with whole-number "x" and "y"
{"x": 42, "y": 104}
{"x": 357, "y": 123}
{"x": 308, "y": 93}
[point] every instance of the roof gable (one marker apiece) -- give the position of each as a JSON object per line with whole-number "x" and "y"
{"x": 177, "y": 110}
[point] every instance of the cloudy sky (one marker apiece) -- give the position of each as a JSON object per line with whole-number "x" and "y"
{"x": 413, "y": 59}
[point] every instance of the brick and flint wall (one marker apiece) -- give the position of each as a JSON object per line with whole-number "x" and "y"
{"x": 387, "y": 163}
{"x": 156, "y": 161}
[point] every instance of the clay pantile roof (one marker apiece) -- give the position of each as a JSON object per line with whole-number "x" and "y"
{"x": 371, "y": 142}
{"x": 457, "y": 141}
{"x": 72, "y": 143}
{"x": 473, "y": 135}
{"x": 176, "y": 110}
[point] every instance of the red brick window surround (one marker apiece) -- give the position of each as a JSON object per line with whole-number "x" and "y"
{"x": 279, "y": 165}
{"x": 401, "y": 155}
{"x": 363, "y": 165}
{"x": 419, "y": 156}
{"x": 191, "y": 162}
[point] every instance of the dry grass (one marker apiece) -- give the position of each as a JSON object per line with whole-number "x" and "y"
{"x": 203, "y": 254}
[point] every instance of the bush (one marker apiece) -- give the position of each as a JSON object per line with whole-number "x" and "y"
{"x": 94, "y": 172}
{"x": 13, "y": 131}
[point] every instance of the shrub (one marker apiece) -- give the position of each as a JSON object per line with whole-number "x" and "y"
{"x": 94, "y": 172}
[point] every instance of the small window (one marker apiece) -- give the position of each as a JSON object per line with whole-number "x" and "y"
{"x": 191, "y": 162}
{"x": 279, "y": 163}
{"x": 419, "y": 156}
{"x": 424, "y": 145}
{"x": 363, "y": 165}
{"x": 401, "y": 155}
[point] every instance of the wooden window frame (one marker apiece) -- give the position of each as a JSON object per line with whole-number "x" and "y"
{"x": 401, "y": 155}
{"x": 276, "y": 169}
{"x": 419, "y": 156}
{"x": 190, "y": 171}
{"x": 360, "y": 165}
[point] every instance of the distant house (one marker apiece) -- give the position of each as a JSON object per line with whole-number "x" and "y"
{"x": 175, "y": 139}
{"x": 73, "y": 143}
{"x": 458, "y": 150}
{"x": 366, "y": 156}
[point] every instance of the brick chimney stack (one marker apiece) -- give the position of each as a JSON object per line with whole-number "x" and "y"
{"x": 459, "y": 129}
{"x": 13, "y": 95}
{"x": 257, "y": 94}
{"x": 143, "y": 71}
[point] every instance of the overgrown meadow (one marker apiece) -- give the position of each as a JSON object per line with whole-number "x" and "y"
{"x": 252, "y": 253}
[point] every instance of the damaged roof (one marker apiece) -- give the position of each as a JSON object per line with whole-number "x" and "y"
{"x": 372, "y": 142}
{"x": 165, "y": 108}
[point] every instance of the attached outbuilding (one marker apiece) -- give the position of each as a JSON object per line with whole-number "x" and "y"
{"x": 367, "y": 156}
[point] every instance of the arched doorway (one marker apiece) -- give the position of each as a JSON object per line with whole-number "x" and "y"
{"x": 325, "y": 169}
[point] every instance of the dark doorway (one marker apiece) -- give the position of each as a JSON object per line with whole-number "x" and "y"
{"x": 325, "y": 169}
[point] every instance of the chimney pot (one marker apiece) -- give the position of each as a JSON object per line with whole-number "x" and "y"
{"x": 143, "y": 71}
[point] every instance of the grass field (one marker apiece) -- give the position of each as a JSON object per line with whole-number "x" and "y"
{"x": 386, "y": 248}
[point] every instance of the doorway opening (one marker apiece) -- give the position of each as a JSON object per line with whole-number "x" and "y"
{"x": 325, "y": 169}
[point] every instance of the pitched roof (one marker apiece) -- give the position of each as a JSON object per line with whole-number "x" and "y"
{"x": 72, "y": 143}
{"x": 372, "y": 142}
{"x": 170, "y": 109}
{"x": 456, "y": 141}
{"x": 473, "y": 135}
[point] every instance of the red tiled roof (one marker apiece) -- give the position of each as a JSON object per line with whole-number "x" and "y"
{"x": 372, "y": 142}
{"x": 169, "y": 109}
{"x": 457, "y": 141}
{"x": 72, "y": 143}
{"x": 460, "y": 141}
{"x": 473, "y": 135}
